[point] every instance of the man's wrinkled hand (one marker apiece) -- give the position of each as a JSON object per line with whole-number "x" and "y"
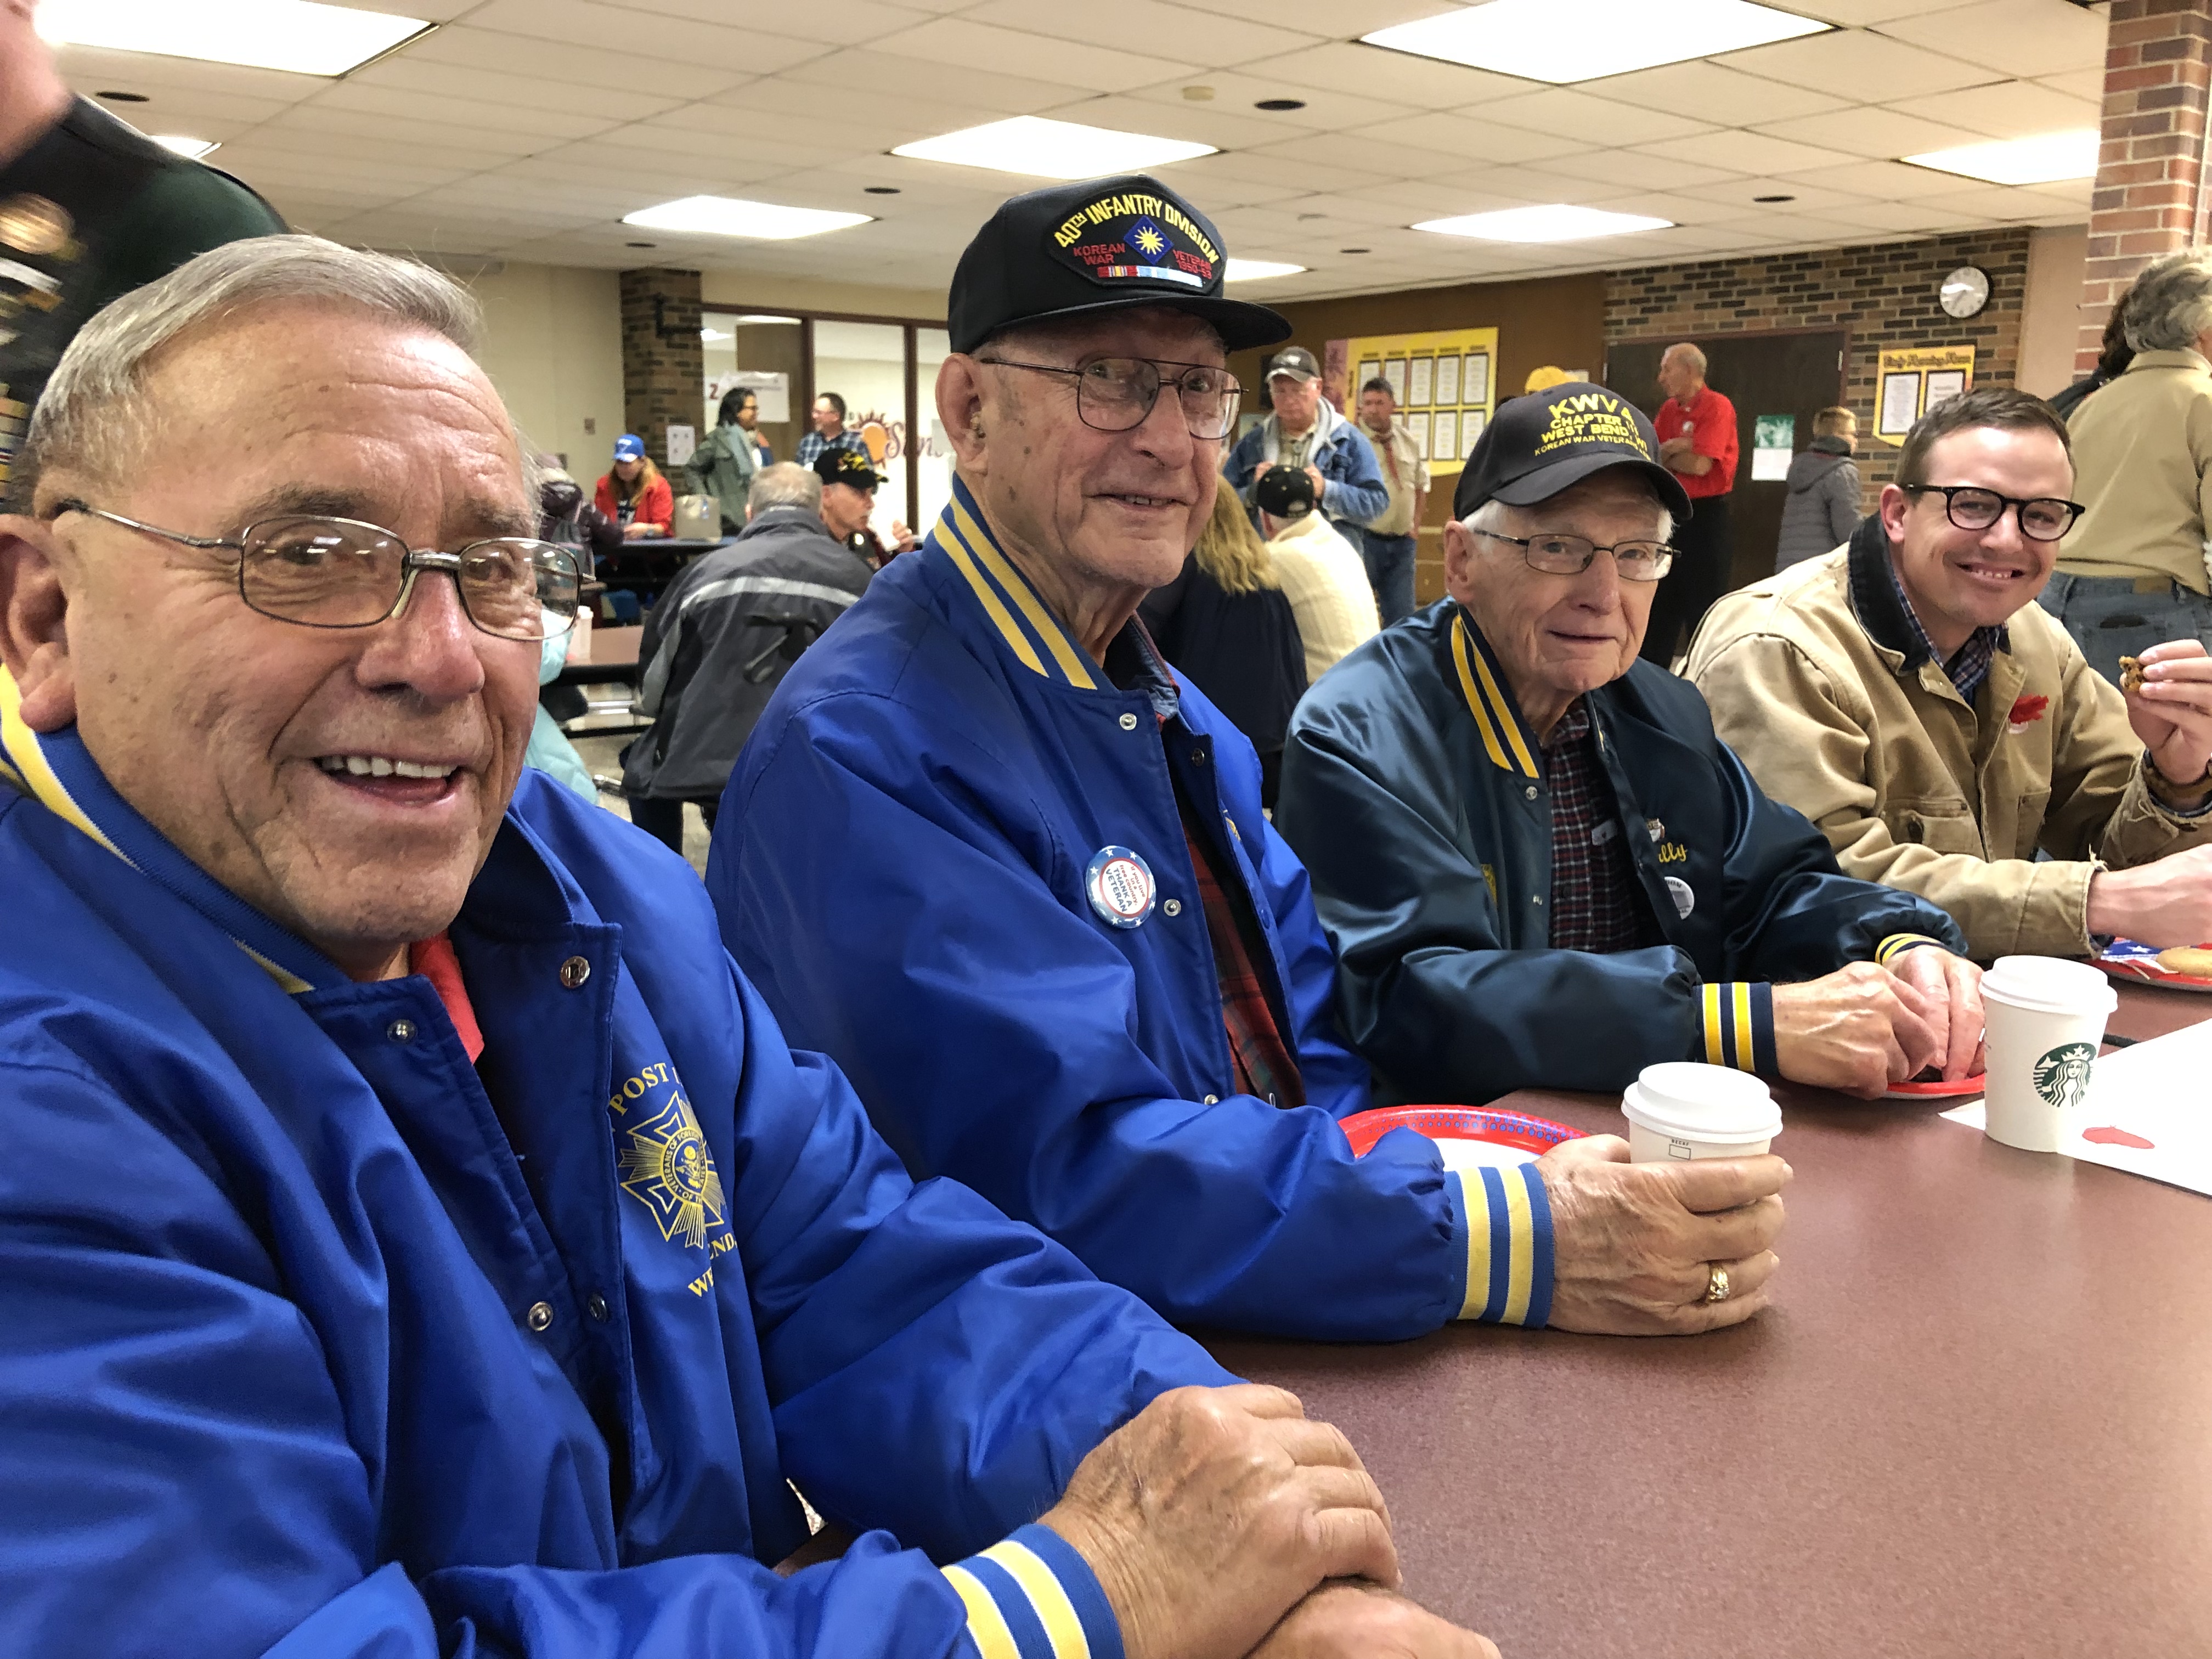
{"x": 1214, "y": 1511}
{"x": 1951, "y": 995}
{"x": 1858, "y": 1030}
{"x": 1632, "y": 1243}
{"x": 1362, "y": 1621}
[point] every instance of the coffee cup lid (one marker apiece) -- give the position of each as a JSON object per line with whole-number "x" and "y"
{"x": 1702, "y": 1102}
{"x": 2049, "y": 985}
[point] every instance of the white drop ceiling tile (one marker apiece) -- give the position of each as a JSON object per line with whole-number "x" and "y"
{"x": 2014, "y": 109}
{"x": 1744, "y": 152}
{"x": 1740, "y": 196}
{"x": 1854, "y": 60}
{"x": 1452, "y": 140}
{"x": 2000, "y": 202}
{"x": 1366, "y": 209}
{"x": 917, "y": 195}
{"x": 1878, "y": 135}
{"x": 1705, "y": 91}
{"x": 959, "y": 43}
{"x": 491, "y": 89}
{"x": 857, "y": 20}
{"x": 1594, "y": 120}
{"x": 857, "y": 74}
{"x": 1679, "y": 209}
{"x": 1395, "y": 77}
{"x": 2019, "y": 37}
{"x": 1187, "y": 36}
{"x": 1220, "y": 182}
{"x": 2087, "y": 83}
{"x": 322, "y": 130}
{"x": 1197, "y": 123}
{"x": 614, "y": 31}
{"x": 1903, "y": 217}
{"x": 1856, "y": 13}
{"x": 642, "y": 144}
{"x": 1783, "y": 229}
{"x": 1343, "y": 19}
{"x": 1881, "y": 181}
{"x": 1368, "y": 156}
{"x": 1327, "y": 107}
{"x": 175, "y": 105}
{"x": 1615, "y": 168}
{"x": 404, "y": 110}
{"x": 567, "y": 63}
{"x": 2072, "y": 192}
{"x": 91, "y": 69}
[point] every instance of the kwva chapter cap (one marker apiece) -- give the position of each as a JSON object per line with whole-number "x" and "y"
{"x": 1097, "y": 246}
{"x": 846, "y": 466}
{"x": 1538, "y": 444}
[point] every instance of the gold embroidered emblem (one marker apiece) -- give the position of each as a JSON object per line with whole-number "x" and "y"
{"x": 32, "y": 225}
{"x": 667, "y": 1167}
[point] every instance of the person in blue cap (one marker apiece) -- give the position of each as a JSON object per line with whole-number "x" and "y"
{"x": 988, "y": 852}
{"x": 416, "y": 1237}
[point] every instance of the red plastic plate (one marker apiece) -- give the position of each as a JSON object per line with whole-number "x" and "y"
{"x": 1963, "y": 1088}
{"x": 2125, "y": 959}
{"x": 1535, "y": 1134}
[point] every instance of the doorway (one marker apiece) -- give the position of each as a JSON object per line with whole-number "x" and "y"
{"x": 1797, "y": 374}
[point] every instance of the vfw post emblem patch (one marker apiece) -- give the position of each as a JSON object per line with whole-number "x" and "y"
{"x": 667, "y": 1166}
{"x": 2061, "y": 1076}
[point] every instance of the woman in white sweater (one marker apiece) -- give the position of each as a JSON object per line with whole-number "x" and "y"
{"x": 1320, "y": 573}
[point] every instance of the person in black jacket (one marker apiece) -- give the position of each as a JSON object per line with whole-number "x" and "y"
{"x": 1227, "y": 624}
{"x": 721, "y": 640}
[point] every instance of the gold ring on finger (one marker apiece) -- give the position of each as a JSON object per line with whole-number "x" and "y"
{"x": 1717, "y": 1282}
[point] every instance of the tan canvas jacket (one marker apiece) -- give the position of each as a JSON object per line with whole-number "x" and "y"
{"x": 1819, "y": 681}
{"x": 2142, "y": 460}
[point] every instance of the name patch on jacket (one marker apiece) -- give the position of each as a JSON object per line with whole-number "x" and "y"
{"x": 664, "y": 1163}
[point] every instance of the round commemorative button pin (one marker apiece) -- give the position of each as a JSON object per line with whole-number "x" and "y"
{"x": 1119, "y": 886}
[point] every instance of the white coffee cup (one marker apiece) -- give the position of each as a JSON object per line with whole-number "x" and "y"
{"x": 1680, "y": 1110}
{"x": 2042, "y": 1020}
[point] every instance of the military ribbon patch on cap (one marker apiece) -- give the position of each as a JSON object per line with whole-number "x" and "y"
{"x": 1135, "y": 237}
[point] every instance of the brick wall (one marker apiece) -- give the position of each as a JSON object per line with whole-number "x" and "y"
{"x": 663, "y": 367}
{"x": 2158, "y": 66}
{"x": 1884, "y": 294}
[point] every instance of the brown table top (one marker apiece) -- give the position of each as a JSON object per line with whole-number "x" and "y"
{"x": 1977, "y": 1422}
{"x": 610, "y": 648}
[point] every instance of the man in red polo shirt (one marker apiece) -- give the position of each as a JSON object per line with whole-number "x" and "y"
{"x": 1698, "y": 444}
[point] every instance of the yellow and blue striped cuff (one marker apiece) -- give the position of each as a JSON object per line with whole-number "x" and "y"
{"x": 1032, "y": 1595}
{"x": 1736, "y": 1027}
{"x": 1898, "y": 944}
{"x": 1508, "y": 1217}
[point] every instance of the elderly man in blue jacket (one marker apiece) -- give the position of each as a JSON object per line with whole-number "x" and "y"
{"x": 1537, "y": 863}
{"x": 990, "y": 852}
{"x": 416, "y": 1237}
{"x": 1303, "y": 429}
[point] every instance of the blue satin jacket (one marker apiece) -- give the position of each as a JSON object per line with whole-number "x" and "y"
{"x": 901, "y": 864}
{"x": 317, "y": 1339}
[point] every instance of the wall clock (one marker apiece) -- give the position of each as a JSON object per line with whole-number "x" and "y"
{"x": 1964, "y": 292}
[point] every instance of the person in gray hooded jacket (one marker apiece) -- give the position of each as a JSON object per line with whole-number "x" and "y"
{"x": 1823, "y": 505}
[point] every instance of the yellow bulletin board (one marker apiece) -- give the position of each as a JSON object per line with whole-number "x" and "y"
{"x": 1446, "y": 381}
{"x": 1911, "y": 380}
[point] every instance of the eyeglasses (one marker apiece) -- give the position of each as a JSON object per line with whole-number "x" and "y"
{"x": 2045, "y": 519}
{"x": 341, "y": 573}
{"x": 1570, "y": 555}
{"x": 1116, "y": 394}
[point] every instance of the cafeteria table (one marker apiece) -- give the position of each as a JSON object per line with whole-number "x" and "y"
{"x": 1976, "y": 1422}
{"x": 611, "y": 654}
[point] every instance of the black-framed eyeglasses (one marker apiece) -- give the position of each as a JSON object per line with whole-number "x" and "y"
{"x": 342, "y": 573}
{"x": 1570, "y": 555}
{"x": 2042, "y": 518}
{"x": 1116, "y": 394}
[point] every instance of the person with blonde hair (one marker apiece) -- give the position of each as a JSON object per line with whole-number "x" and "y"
{"x": 1226, "y": 624}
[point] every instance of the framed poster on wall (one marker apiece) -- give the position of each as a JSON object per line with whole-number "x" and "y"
{"x": 1911, "y": 380}
{"x": 1442, "y": 380}
{"x": 1416, "y": 427}
{"x": 1444, "y": 438}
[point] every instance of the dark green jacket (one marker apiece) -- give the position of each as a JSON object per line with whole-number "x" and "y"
{"x": 1415, "y": 794}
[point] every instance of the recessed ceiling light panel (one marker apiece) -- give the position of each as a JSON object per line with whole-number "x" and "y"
{"x": 1051, "y": 150}
{"x": 732, "y": 216}
{"x": 303, "y": 36}
{"x": 1257, "y": 270}
{"x": 1557, "y": 222}
{"x": 2043, "y": 160}
{"x": 190, "y": 149}
{"x": 1567, "y": 40}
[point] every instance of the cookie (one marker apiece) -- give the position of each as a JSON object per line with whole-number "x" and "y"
{"x": 2132, "y": 673}
{"x": 2192, "y": 959}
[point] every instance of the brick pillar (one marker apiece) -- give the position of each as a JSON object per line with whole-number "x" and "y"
{"x": 2150, "y": 197}
{"x": 664, "y": 374}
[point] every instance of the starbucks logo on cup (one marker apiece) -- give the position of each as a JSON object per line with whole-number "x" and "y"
{"x": 2061, "y": 1076}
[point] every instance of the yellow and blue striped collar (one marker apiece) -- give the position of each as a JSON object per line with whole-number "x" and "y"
{"x": 1039, "y": 641}
{"x": 56, "y": 769}
{"x": 1508, "y": 742}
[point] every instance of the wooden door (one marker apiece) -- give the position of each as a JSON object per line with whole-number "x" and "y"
{"x": 1796, "y": 375}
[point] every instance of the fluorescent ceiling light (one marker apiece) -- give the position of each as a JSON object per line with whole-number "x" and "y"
{"x": 1257, "y": 270}
{"x": 1556, "y": 224}
{"x": 299, "y": 35}
{"x": 716, "y": 334}
{"x": 1565, "y": 40}
{"x": 1051, "y": 150}
{"x": 764, "y": 317}
{"x": 732, "y": 215}
{"x": 2039, "y": 161}
{"x": 190, "y": 149}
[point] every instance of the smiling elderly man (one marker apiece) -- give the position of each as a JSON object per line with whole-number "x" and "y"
{"x": 414, "y": 1237}
{"x": 1538, "y": 863}
{"x": 986, "y": 851}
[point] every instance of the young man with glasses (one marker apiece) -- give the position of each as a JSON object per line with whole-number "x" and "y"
{"x": 986, "y": 851}
{"x": 1907, "y": 695}
{"x": 1540, "y": 867}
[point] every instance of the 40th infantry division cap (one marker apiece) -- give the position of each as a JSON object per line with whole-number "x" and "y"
{"x": 1540, "y": 444}
{"x": 1098, "y": 245}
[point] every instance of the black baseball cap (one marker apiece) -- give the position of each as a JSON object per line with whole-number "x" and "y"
{"x": 1284, "y": 492}
{"x": 846, "y": 466}
{"x": 1297, "y": 363}
{"x": 1100, "y": 245}
{"x": 1538, "y": 444}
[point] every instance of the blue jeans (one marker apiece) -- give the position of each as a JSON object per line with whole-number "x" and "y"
{"x": 1389, "y": 560}
{"x": 2115, "y": 616}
